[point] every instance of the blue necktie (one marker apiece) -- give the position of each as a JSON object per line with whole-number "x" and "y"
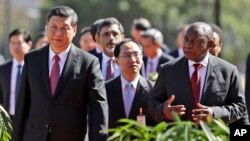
{"x": 18, "y": 78}
{"x": 128, "y": 98}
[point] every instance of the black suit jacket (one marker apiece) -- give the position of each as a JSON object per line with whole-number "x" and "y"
{"x": 221, "y": 91}
{"x": 116, "y": 105}
{"x": 174, "y": 53}
{"x": 80, "y": 93}
{"x": 247, "y": 84}
{"x": 163, "y": 59}
{"x": 5, "y": 80}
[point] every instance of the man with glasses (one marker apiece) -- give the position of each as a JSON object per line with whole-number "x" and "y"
{"x": 127, "y": 93}
{"x": 139, "y": 25}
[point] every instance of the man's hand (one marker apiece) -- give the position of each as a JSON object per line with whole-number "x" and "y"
{"x": 168, "y": 109}
{"x": 201, "y": 113}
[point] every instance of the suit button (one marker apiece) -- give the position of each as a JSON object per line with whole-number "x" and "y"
{"x": 50, "y": 131}
{"x": 46, "y": 126}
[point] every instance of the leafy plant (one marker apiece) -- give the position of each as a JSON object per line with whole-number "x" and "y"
{"x": 5, "y": 125}
{"x": 214, "y": 130}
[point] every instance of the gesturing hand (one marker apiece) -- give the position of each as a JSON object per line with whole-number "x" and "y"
{"x": 168, "y": 109}
{"x": 201, "y": 113}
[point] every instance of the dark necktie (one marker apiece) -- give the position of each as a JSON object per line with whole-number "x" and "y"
{"x": 195, "y": 81}
{"x": 55, "y": 73}
{"x": 18, "y": 78}
{"x": 109, "y": 70}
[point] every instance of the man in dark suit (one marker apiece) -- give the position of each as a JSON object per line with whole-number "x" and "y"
{"x": 178, "y": 52}
{"x": 218, "y": 40}
{"x": 86, "y": 41}
{"x": 152, "y": 40}
{"x": 10, "y": 72}
{"x": 247, "y": 83}
{"x": 62, "y": 93}
{"x": 198, "y": 85}
{"x": 128, "y": 56}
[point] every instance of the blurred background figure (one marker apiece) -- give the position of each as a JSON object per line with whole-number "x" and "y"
{"x": 152, "y": 40}
{"x": 217, "y": 40}
{"x": 86, "y": 41}
{"x": 1, "y": 59}
{"x": 41, "y": 40}
{"x": 178, "y": 52}
{"x": 93, "y": 31}
{"x": 10, "y": 72}
{"x": 138, "y": 26}
{"x": 110, "y": 33}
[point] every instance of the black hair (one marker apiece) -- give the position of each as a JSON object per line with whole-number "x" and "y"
{"x": 111, "y": 21}
{"x": 217, "y": 30}
{"x": 21, "y": 31}
{"x": 94, "y": 27}
{"x": 118, "y": 46}
{"x": 84, "y": 30}
{"x": 63, "y": 11}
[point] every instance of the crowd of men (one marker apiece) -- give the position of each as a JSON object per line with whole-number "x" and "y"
{"x": 61, "y": 92}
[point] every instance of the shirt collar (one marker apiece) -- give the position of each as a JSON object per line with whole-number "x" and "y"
{"x": 106, "y": 58}
{"x": 61, "y": 55}
{"x": 158, "y": 55}
{"x": 15, "y": 62}
{"x": 134, "y": 82}
{"x": 204, "y": 62}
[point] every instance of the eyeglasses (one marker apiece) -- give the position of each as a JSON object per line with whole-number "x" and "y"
{"x": 134, "y": 54}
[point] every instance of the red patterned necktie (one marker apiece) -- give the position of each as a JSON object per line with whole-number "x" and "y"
{"x": 195, "y": 82}
{"x": 55, "y": 73}
{"x": 109, "y": 70}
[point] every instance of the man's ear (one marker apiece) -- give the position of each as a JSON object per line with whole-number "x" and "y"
{"x": 210, "y": 43}
{"x": 97, "y": 38}
{"x": 30, "y": 44}
{"x": 116, "y": 61}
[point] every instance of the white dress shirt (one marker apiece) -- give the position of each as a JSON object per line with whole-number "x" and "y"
{"x": 155, "y": 62}
{"x": 63, "y": 56}
{"x": 14, "y": 72}
{"x": 105, "y": 63}
{"x": 202, "y": 70}
{"x": 134, "y": 83}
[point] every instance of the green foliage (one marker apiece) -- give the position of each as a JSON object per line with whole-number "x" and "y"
{"x": 215, "y": 130}
{"x": 5, "y": 125}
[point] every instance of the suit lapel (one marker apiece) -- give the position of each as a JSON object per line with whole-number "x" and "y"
{"x": 45, "y": 70}
{"x": 118, "y": 96}
{"x": 7, "y": 77}
{"x": 209, "y": 79}
{"x": 185, "y": 84}
{"x": 141, "y": 90}
{"x": 68, "y": 69}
